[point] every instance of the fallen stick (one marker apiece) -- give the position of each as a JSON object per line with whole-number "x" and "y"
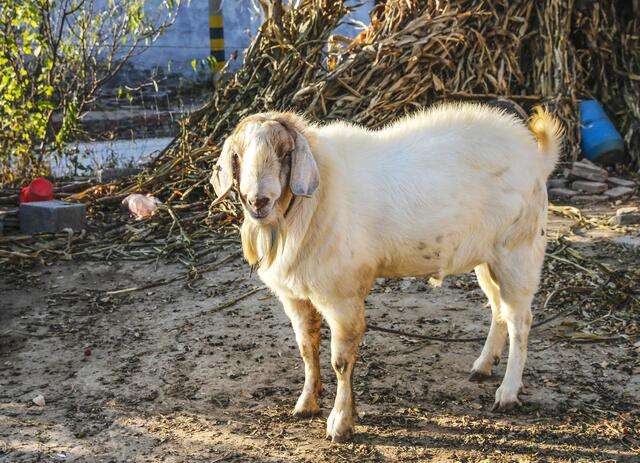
{"x": 23, "y": 333}
{"x": 163, "y": 282}
{"x": 474, "y": 339}
{"x": 231, "y": 302}
{"x": 567, "y": 261}
{"x": 74, "y": 187}
{"x": 110, "y": 199}
{"x": 215, "y": 265}
{"x": 20, "y": 255}
{"x": 9, "y": 200}
{"x": 143, "y": 287}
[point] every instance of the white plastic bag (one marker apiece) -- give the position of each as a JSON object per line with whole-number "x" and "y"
{"x": 141, "y": 206}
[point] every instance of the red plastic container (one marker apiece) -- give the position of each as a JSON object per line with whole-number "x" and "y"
{"x": 39, "y": 189}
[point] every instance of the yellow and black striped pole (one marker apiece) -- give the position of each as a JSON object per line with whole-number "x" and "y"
{"x": 216, "y": 33}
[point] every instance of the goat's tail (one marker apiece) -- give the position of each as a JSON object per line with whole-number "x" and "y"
{"x": 548, "y": 132}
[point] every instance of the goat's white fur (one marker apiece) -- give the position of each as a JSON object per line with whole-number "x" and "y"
{"x": 442, "y": 192}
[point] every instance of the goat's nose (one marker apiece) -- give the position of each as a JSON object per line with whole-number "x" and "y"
{"x": 258, "y": 202}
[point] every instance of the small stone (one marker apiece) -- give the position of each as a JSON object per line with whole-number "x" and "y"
{"x": 627, "y": 216}
{"x": 630, "y": 241}
{"x": 619, "y": 192}
{"x": 39, "y": 400}
{"x": 589, "y": 187}
{"x": 562, "y": 193}
{"x": 557, "y": 183}
{"x": 621, "y": 182}
{"x": 589, "y": 171}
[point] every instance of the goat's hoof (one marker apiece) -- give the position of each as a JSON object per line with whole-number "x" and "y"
{"x": 503, "y": 407}
{"x": 478, "y": 376}
{"x": 340, "y": 426}
{"x": 505, "y": 401}
{"x": 340, "y": 438}
{"x": 305, "y": 413}
{"x": 306, "y": 406}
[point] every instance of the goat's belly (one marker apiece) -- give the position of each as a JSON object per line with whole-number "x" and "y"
{"x": 418, "y": 265}
{"x": 449, "y": 258}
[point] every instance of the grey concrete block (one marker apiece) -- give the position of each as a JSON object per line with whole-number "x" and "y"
{"x": 619, "y": 192}
{"x": 589, "y": 171}
{"x": 51, "y": 216}
{"x": 621, "y": 182}
{"x": 557, "y": 183}
{"x": 562, "y": 193}
{"x": 627, "y": 216}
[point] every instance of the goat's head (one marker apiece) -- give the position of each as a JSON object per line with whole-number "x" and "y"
{"x": 266, "y": 155}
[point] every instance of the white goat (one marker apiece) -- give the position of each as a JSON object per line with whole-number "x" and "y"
{"x": 330, "y": 208}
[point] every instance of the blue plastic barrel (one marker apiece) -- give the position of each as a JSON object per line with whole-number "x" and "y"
{"x": 601, "y": 142}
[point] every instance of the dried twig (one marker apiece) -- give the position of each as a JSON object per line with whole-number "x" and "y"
{"x": 235, "y": 300}
{"x": 163, "y": 282}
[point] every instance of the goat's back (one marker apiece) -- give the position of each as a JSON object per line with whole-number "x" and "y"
{"x": 460, "y": 174}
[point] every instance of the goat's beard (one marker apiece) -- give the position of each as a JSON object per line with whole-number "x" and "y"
{"x": 261, "y": 243}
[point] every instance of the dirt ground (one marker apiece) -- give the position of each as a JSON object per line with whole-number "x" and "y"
{"x": 168, "y": 374}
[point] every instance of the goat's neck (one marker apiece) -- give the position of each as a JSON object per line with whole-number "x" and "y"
{"x": 298, "y": 219}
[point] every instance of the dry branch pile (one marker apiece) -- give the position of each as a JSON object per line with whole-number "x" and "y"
{"x": 414, "y": 54}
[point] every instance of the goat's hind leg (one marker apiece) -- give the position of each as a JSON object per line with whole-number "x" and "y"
{"x": 306, "y": 322}
{"x": 493, "y": 346}
{"x": 518, "y": 275}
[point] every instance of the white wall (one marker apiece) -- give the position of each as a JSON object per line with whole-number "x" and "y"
{"x": 188, "y": 38}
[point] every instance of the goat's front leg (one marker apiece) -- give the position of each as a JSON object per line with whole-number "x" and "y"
{"x": 306, "y": 322}
{"x": 347, "y": 324}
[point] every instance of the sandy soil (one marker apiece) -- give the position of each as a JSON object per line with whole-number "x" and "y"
{"x": 164, "y": 374}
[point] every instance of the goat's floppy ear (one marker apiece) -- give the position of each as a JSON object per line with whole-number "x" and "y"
{"x": 222, "y": 176}
{"x": 304, "y": 170}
